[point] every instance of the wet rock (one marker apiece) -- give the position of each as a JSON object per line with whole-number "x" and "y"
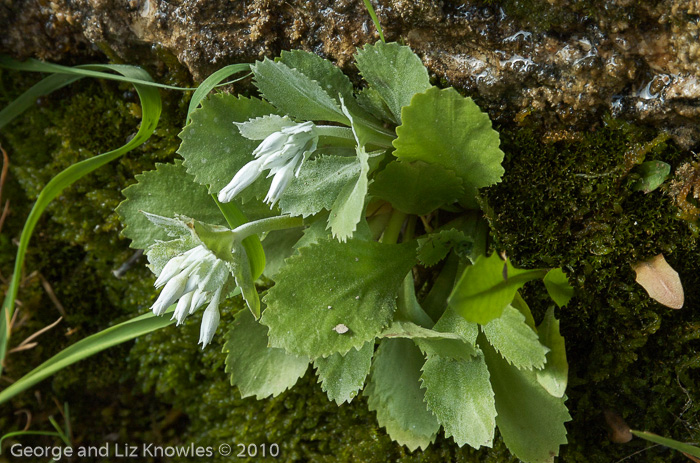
{"x": 561, "y": 62}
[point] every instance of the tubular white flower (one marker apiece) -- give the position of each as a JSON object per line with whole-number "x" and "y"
{"x": 282, "y": 153}
{"x": 210, "y": 320}
{"x": 190, "y": 279}
{"x": 242, "y": 180}
{"x": 280, "y": 181}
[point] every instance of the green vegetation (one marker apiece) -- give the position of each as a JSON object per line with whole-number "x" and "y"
{"x": 561, "y": 203}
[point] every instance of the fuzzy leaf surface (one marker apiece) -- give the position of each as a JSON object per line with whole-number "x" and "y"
{"x": 434, "y": 247}
{"x": 486, "y": 288}
{"x": 212, "y": 146}
{"x": 515, "y": 340}
{"x": 554, "y": 376}
{"x": 417, "y": 187}
{"x": 431, "y": 342}
{"x": 158, "y": 192}
{"x": 358, "y": 280}
{"x": 329, "y": 76}
{"x": 530, "y": 420}
{"x": 319, "y": 184}
{"x": 256, "y": 369}
{"x": 343, "y": 376}
{"x": 395, "y": 72}
{"x": 442, "y": 127}
{"x": 394, "y": 392}
{"x": 459, "y": 393}
{"x": 348, "y": 207}
{"x": 295, "y": 93}
{"x": 558, "y": 287}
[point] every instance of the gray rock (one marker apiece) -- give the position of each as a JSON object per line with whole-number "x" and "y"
{"x": 560, "y": 62}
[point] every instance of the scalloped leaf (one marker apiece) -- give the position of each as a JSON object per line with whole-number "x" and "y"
{"x": 256, "y": 369}
{"x": 395, "y": 72}
{"x": 517, "y": 343}
{"x": 459, "y": 393}
{"x": 434, "y": 247}
{"x": 348, "y": 207}
{"x": 328, "y": 284}
{"x": 394, "y": 392}
{"x": 487, "y": 287}
{"x": 555, "y": 374}
{"x": 319, "y": 184}
{"x": 372, "y": 101}
{"x": 442, "y": 127}
{"x": 259, "y": 128}
{"x": 329, "y": 77}
{"x": 530, "y": 420}
{"x": 296, "y": 94}
{"x": 431, "y": 342}
{"x": 212, "y": 146}
{"x": 343, "y": 376}
{"x": 158, "y": 192}
{"x": 558, "y": 287}
{"x": 417, "y": 187}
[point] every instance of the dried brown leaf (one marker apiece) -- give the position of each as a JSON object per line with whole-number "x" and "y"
{"x": 661, "y": 282}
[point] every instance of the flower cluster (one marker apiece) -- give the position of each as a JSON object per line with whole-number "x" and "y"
{"x": 282, "y": 153}
{"x": 185, "y": 278}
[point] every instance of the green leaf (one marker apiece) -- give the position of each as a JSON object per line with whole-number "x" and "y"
{"x": 459, "y": 393}
{"x": 555, "y": 374}
{"x": 434, "y": 247}
{"x": 530, "y": 420}
{"x": 442, "y": 127}
{"x": 515, "y": 341}
{"x": 260, "y": 128}
{"x": 84, "y": 348}
{"x": 278, "y": 246}
{"x": 558, "y": 287}
{"x": 328, "y": 284}
{"x": 330, "y": 78}
{"x": 319, "y": 184}
{"x": 372, "y": 101}
{"x": 211, "y": 82}
{"x": 487, "y": 287}
{"x": 444, "y": 344}
{"x": 395, "y": 72}
{"x": 394, "y": 392}
{"x": 451, "y": 322}
{"x": 212, "y": 146}
{"x": 296, "y": 94}
{"x": 407, "y": 306}
{"x": 417, "y": 187}
{"x": 670, "y": 443}
{"x": 159, "y": 192}
{"x": 653, "y": 174}
{"x": 217, "y": 239}
{"x": 349, "y": 206}
{"x": 342, "y": 376}
{"x": 256, "y": 369}
{"x": 241, "y": 270}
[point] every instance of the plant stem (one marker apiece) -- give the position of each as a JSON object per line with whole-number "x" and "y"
{"x": 410, "y": 228}
{"x": 393, "y": 228}
{"x": 281, "y": 222}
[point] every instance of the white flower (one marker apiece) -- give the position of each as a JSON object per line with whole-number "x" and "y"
{"x": 282, "y": 153}
{"x": 186, "y": 278}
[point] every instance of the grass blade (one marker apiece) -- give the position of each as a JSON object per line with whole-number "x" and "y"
{"x": 670, "y": 443}
{"x": 375, "y": 20}
{"x": 211, "y": 82}
{"x": 88, "y": 70}
{"x": 151, "y": 109}
{"x": 28, "y": 98}
{"x": 84, "y": 348}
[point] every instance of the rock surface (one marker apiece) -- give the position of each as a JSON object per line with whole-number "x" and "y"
{"x": 561, "y": 62}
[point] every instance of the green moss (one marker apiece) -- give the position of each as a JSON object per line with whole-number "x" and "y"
{"x": 570, "y": 204}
